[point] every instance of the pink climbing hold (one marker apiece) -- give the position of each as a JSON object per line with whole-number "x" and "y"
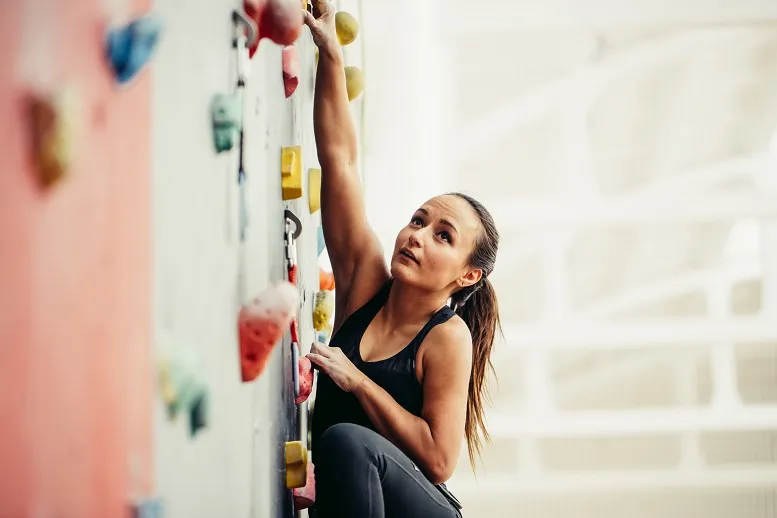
{"x": 305, "y": 497}
{"x": 290, "y": 65}
{"x": 278, "y": 20}
{"x": 305, "y": 380}
{"x": 261, "y": 324}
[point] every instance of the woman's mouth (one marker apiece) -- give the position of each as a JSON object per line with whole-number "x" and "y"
{"x": 410, "y": 255}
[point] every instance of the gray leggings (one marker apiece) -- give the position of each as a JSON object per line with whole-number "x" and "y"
{"x": 359, "y": 474}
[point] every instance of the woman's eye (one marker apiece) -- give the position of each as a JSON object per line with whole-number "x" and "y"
{"x": 417, "y": 221}
{"x": 445, "y": 236}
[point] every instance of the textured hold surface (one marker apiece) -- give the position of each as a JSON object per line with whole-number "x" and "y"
{"x": 323, "y": 309}
{"x": 305, "y": 380}
{"x": 261, "y": 324}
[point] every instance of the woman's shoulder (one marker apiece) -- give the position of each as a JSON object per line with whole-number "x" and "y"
{"x": 451, "y": 337}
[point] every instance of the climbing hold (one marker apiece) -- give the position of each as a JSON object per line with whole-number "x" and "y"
{"x": 326, "y": 280}
{"x": 305, "y": 497}
{"x": 199, "y": 411}
{"x": 130, "y": 47}
{"x": 227, "y": 116}
{"x": 51, "y": 124}
{"x": 323, "y": 308}
{"x": 184, "y": 389}
{"x": 290, "y": 65}
{"x": 305, "y": 376}
{"x": 296, "y": 464}
{"x": 347, "y": 27}
{"x": 147, "y": 508}
{"x": 354, "y": 82}
{"x": 321, "y": 242}
{"x": 291, "y": 172}
{"x": 314, "y": 190}
{"x": 261, "y": 324}
{"x": 278, "y": 20}
{"x": 295, "y": 368}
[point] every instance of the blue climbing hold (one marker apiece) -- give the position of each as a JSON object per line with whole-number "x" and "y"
{"x": 321, "y": 243}
{"x": 130, "y": 47}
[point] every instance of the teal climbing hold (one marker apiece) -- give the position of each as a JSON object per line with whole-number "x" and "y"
{"x": 226, "y": 116}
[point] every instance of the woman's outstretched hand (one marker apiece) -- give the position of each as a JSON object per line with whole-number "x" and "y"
{"x": 336, "y": 365}
{"x": 322, "y": 27}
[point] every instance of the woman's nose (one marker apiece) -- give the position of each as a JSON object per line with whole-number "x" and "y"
{"x": 415, "y": 238}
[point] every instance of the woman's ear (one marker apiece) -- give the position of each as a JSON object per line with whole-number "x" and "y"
{"x": 469, "y": 277}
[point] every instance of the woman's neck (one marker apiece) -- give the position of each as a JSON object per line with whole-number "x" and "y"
{"x": 407, "y": 305}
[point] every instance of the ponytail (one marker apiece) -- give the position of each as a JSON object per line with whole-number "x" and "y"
{"x": 478, "y": 307}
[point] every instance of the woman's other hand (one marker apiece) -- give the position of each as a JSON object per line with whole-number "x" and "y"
{"x": 336, "y": 365}
{"x": 322, "y": 27}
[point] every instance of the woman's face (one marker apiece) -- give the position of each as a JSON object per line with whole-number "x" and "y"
{"x": 433, "y": 250}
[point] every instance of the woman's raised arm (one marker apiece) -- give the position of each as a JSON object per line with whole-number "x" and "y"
{"x": 354, "y": 249}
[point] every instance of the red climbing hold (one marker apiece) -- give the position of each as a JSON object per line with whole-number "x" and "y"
{"x": 305, "y": 380}
{"x": 278, "y": 20}
{"x": 305, "y": 497}
{"x": 290, "y": 64}
{"x": 261, "y": 325}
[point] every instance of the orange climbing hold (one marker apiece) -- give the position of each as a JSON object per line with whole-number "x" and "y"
{"x": 277, "y": 20}
{"x": 326, "y": 280}
{"x": 305, "y": 380}
{"x": 305, "y": 497}
{"x": 261, "y": 324}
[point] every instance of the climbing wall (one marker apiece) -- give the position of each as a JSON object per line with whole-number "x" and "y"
{"x": 126, "y": 250}
{"x": 203, "y": 272}
{"x": 75, "y": 268}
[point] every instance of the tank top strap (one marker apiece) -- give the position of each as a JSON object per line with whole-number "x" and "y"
{"x": 442, "y": 316}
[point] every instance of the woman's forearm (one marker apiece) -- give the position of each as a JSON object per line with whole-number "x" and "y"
{"x": 410, "y": 433}
{"x": 334, "y": 128}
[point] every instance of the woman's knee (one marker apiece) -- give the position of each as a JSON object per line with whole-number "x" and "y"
{"x": 340, "y": 442}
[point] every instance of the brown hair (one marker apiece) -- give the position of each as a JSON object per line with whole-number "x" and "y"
{"x": 478, "y": 307}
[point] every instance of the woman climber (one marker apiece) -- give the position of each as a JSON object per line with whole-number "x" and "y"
{"x": 402, "y": 382}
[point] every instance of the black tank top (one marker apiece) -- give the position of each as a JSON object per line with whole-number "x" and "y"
{"x": 396, "y": 375}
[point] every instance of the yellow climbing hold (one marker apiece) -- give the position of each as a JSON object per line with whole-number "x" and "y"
{"x": 347, "y": 28}
{"x": 314, "y": 190}
{"x": 291, "y": 172}
{"x": 323, "y": 307}
{"x": 296, "y": 464}
{"x": 354, "y": 82}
